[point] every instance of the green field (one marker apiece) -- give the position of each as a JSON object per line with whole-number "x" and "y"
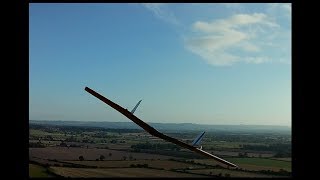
{"x": 282, "y": 159}
{"x": 40, "y": 133}
{"x": 37, "y": 132}
{"x": 255, "y": 163}
{"x": 37, "y": 171}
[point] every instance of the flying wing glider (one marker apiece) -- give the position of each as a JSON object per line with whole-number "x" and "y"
{"x": 134, "y": 109}
{"x": 197, "y": 140}
{"x": 156, "y": 133}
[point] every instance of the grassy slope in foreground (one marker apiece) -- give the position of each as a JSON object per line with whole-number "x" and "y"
{"x": 37, "y": 171}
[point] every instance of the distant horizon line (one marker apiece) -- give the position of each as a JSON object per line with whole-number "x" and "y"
{"x": 166, "y": 123}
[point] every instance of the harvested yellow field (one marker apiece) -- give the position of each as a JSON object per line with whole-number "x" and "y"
{"x": 64, "y": 153}
{"x": 118, "y": 172}
{"x": 165, "y": 164}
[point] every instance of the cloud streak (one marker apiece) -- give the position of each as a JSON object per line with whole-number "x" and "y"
{"x": 280, "y": 9}
{"x": 158, "y": 10}
{"x": 224, "y": 41}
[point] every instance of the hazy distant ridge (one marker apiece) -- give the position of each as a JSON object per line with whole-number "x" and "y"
{"x": 170, "y": 126}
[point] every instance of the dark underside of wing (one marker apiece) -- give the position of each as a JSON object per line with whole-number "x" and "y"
{"x": 153, "y": 131}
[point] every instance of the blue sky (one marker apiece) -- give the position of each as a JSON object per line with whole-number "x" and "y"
{"x": 189, "y": 63}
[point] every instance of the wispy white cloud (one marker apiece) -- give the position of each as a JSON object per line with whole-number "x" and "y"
{"x": 279, "y": 9}
{"x": 241, "y": 37}
{"x": 281, "y": 40}
{"x": 237, "y": 33}
{"x": 257, "y": 60}
{"x": 235, "y": 7}
{"x": 247, "y": 46}
{"x": 159, "y": 11}
{"x": 232, "y": 5}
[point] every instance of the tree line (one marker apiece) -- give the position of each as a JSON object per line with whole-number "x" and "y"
{"x": 156, "y": 146}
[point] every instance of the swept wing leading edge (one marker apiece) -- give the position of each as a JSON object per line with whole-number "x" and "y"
{"x": 153, "y": 131}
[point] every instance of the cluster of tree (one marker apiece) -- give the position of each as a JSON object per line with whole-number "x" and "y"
{"x": 71, "y": 139}
{"x": 31, "y": 137}
{"x": 102, "y": 157}
{"x": 217, "y": 166}
{"x": 253, "y": 138}
{"x": 102, "y": 141}
{"x": 47, "y": 138}
{"x": 245, "y": 154}
{"x": 104, "y": 147}
{"x": 75, "y": 145}
{"x": 113, "y": 141}
{"x": 221, "y": 175}
{"x": 80, "y": 129}
{"x": 124, "y": 130}
{"x": 77, "y": 165}
{"x": 184, "y": 154}
{"x": 158, "y": 146}
{"x": 81, "y": 158}
{"x": 47, "y": 128}
{"x": 282, "y": 150}
{"x": 87, "y": 141}
{"x": 101, "y": 135}
{"x": 139, "y": 165}
{"x": 63, "y": 144}
{"x": 282, "y": 154}
{"x": 36, "y": 145}
{"x": 281, "y": 172}
{"x": 271, "y": 147}
{"x": 67, "y": 164}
